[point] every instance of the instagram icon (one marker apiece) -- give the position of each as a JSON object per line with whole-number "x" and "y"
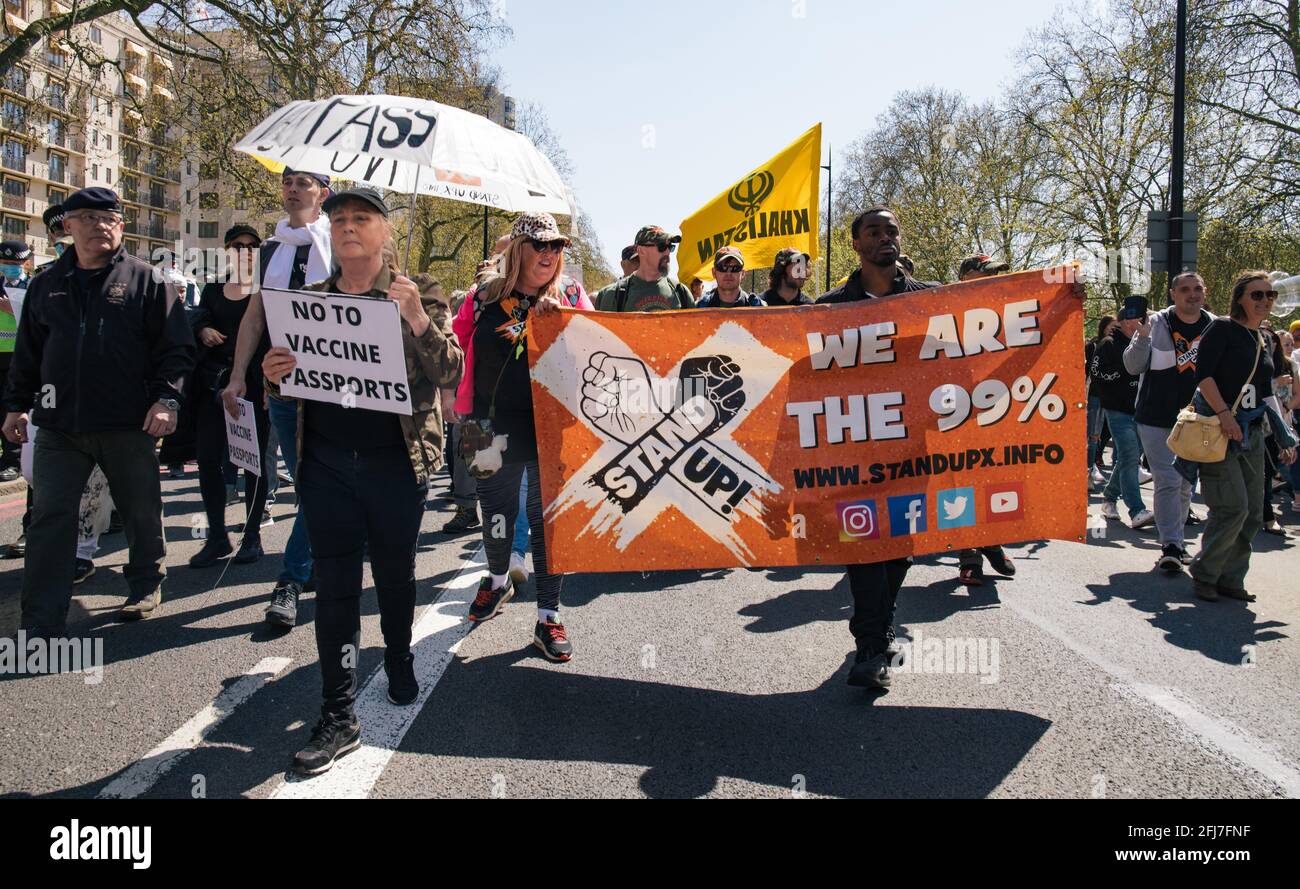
{"x": 858, "y": 520}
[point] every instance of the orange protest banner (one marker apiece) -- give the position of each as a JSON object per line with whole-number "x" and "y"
{"x": 919, "y": 423}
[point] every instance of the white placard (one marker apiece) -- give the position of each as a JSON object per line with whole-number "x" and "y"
{"x": 241, "y": 438}
{"x": 349, "y": 348}
{"x": 16, "y": 296}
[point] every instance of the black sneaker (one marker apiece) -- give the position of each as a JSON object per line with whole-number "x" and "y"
{"x": 489, "y": 602}
{"x": 971, "y": 575}
{"x": 17, "y": 549}
{"x": 1193, "y": 518}
{"x": 465, "y": 519}
{"x": 1184, "y": 556}
{"x": 1171, "y": 559}
{"x": 283, "y": 610}
{"x": 871, "y": 671}
{"x": 213, "y": 551}
{"x": 330, "y": 739}
{"x": 249, "y": 552}
{"x": 8, "y": 475}
{"x": 85, "y": 568}
{"x": 553, "y": 640}
{"x": 402, "y": 687}
{"x": 999, "y": 561}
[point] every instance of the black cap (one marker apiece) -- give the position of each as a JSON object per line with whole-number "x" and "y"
{"x": 368, "y": 195}
{"x": 14, "y": 251}
{"x": 53, "y": 217}
{"x": 628, "y": 252}
{"x": 319, "y": 177}
{"x": 241, "y": 229}
{"x": 94, "y": 198}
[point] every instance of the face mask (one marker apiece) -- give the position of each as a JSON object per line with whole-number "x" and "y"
{"x": 10, "y": 271}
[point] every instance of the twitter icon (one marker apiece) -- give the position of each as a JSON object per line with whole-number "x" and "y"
{"x": 956, "y": 508}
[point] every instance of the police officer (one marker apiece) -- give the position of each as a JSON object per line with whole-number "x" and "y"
{"x": 103, "y": 350}
{"x": 363, "y": 475}
{"x": 59, "y": 239}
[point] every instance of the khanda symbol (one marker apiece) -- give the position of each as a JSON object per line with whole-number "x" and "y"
{"x": 748, "y": 194}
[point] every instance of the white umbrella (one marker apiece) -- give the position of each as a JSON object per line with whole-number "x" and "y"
{"x": 411, "y": 145}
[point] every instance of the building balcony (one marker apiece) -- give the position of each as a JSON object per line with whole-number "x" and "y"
{"x": 17, "y": 164}
{"x": 15, "y": 202}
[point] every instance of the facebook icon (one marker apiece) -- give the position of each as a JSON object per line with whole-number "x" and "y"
{"x": 906, "y": 515}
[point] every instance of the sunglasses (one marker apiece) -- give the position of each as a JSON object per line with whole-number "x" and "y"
{"x": 547, "y": 246}
{"x": 1258, "y": 295}
{"x": 729, "y": 269}
{"x": 243, "y": 245}
{"x": 663, "y": 248}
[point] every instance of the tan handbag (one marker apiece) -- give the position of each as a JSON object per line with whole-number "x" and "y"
{"x": 1201, "y": 439}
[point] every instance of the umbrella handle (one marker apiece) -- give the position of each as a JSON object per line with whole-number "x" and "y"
{"x": 410, "y": 235}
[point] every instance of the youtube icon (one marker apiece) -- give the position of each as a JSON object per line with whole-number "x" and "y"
{"x": 1005, "y": 502}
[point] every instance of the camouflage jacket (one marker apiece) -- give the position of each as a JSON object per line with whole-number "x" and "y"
{"x": 433, "y": 362}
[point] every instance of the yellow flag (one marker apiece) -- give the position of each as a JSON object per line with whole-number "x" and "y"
{"x": 771, "y": 207}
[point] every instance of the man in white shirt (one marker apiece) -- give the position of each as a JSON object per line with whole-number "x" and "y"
{"x": 297, "y": 255}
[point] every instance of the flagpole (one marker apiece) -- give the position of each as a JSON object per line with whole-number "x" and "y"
{"x": 415, "y": 190}
{"x": 830, "y": 155}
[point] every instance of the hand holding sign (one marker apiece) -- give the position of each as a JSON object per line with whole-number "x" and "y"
{"x": 278, "y": 364}
{"x": 241, "y": 438}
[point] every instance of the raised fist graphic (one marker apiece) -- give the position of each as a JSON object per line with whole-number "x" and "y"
{"x": 718, "y": 378}
{"x": 617, "y": 396}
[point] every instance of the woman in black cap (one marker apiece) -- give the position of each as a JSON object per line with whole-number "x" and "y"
{"x": 216, "y": 325}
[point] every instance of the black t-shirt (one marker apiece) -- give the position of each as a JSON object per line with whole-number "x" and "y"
{"x": 1168, "y": 390}
{"x": 1111, "y": 380}
{"x": 501, "y": 365}
{"x": 353, "y": 428}
{"x": 1227, "y": 356}
{"x": 224, "y": 316}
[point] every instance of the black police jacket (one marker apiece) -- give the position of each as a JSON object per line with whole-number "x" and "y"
{"x": 97, "y": 361}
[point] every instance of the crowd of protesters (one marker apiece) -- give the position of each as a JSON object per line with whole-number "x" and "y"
{"x": 126, "y": 357}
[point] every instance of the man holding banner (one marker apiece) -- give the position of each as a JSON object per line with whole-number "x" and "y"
{"x": 877, "y": 242}
{"x": 365, "y": 456}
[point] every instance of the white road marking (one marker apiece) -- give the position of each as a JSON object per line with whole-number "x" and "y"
{"x": 434, "y": 640}
{"x": 1222, "y": 735}
{"x": 144, "y": 773}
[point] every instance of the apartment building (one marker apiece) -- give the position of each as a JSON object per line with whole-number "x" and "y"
{"x": 61, "y": 129}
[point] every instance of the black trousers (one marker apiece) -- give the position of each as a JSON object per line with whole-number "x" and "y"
{"x": 10, "y": 453}
{"x": 210, "y": 443}
{"x": 61, "y": 466}
{"x": 875, "y": 596}
{"x": 358, "y": 502}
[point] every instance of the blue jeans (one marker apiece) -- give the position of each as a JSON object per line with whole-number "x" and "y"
{"x": 1124, "y": 476}
{"x": 520, "y": 544}
{"x": 1094, "y": 428}
{"x": 297, "y": 552}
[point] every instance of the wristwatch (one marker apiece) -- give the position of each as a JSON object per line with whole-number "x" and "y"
{"x": 170, "y": 403}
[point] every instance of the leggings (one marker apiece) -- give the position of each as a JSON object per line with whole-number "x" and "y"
{"x": 499, "y": 500}
{"x": 211, "y": 447}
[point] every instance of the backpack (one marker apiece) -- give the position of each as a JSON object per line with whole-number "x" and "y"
{"x": 625, "y": 284}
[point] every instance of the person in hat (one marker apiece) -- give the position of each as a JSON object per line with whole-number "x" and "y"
{"x": 728, "y": 270}
{"x": 629, "y": 260}
{"x": 786, "y": 279}
{"x": 216, "y": 324}
{"x": 15, "y": 257}
{"x": 648, "y": 287}
{"x": 59, "y": 239}
{"x": 980, "y": 265}
{"x": 102, "y": 355}
{"x": 363, "y": 474}
{"x": 298, "y": 254}
{"x": 531, "y": 277}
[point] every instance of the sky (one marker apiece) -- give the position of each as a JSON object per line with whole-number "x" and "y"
{"x": 661, "y": 105}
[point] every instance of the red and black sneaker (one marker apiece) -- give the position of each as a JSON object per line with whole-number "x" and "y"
{"x": 553, "y": 640}
{"x": 489, "y": 602}
{"x": 971, "y": 575}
